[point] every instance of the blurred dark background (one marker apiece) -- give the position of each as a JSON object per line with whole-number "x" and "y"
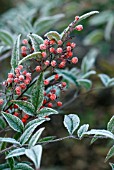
{"x": 95, "y": 107}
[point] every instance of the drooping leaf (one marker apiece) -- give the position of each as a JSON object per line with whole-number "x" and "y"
{"x": 110, "y": 82}
{"x": 53, "y": 35}
{"x": 71, "y": 122}
{"x": 87, "y": 15}
{"x": 14, "y": 122}
{"x": 105, "y": 133}
{"x": 46, "y": 111}
{"x": 89, "y": 73}
{"x": 36, "y": 40}
{"x": 27, "y": 107}
{"x": 109, "y": 27}
{"x": 95, "y": 137}
{"x": 16, "y": 152}
{"x": 38, "y": 93}
{"x": 110, "y": 125}
{"x": 15, "y": 53}
{"x": 2, "y": 123}
{"x": 82, "y": 129}
{"x": 23, "y": 166}
{"x": 105, "y": 79}
{"x": 88, "y": 60}
{"x": 35, "y": 137}
{"x": 35, "y": 154}
{"x": 110, "y": 153}
{"x": 85, "y": 83}
{"x": 112, "y": 165}
{"x": 9, "y": 140}
{"x": 6, "y": 37}
{"x": 11, "y": 162}
{"x": 36, "y": 55}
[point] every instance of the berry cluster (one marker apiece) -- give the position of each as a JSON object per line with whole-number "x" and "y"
{"x": 18, "y": 80}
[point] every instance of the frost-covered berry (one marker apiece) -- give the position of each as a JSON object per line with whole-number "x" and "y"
{"x": 10, "y": 75}
{"x": 76, "y": 18}
{"x": 46, "y": 82}
{"x": 21, "y": 77}
{"x": 20, "y": 67}
{"x": 53, "y": 96}
{"x": 44, "y": 54}
{"x": 47, "y": 63}
{"x": 56, "y": 76}
{"x": 25, "y": 41}
{"x": 59, "y": 103}
{"x": 1, "y": 101}
{"x": 63, "y": 84}
{"x": 79, "y": 27}
{"x": 74, "y": 60}
{"x": 46, "y": 41}
{"x": 53, "y": 63}
{"x": 59, "y": 42}
{"x": 23, "y": 48}
{"x": 62, "y": 64}
{"x": 68, "y": 48}
{"x": 9, "y": 80}
{"x": 23, "y": 86}
{"x": 16, "y": 80}
{"x": 16, "y": 114}
{"x": 38, "y": 68}
{"x": 59, "y": 50}
{"x": 27, "y": 81}
{"x": 52, "y": 50}
{"x": 73, "y": 45}
{"x": 50, "y": 105}
{"x": 42, "y": 47}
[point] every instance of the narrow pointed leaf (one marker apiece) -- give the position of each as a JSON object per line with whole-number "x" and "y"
{"x": 36, "y": 41}
{"x": 9, "y": 140}
{"x": 85, "y": 83}
{"x": 15, "y": 53}
{"x": 23, "y": 166}
{"x": 110, "y": 125}
{"x": 35, "y": 137}
{"x": 110, "y": 153}
{"x": 46, "y": 111}
{"x": 105, "y": 79}
{"x": 16, "y": 152}
{"x": 35, "y": 154}
{"x": 2, "y": 123}
{"x": 6, "y": 37}
{"x": 27, "y": 107}
{"x": 87, "y": 15}
{"x": 112, "y": 165}
{"x": 82, "y": 129}
{"x": 52, "y": 35}
{"x": 14, "y": 122}
{"x": 36, "y": 55}
{"x": 38, "y": 93}
{"x": 71, "y": 122}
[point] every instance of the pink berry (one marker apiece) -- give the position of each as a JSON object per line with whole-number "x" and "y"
{"x": 59, "y": 50}
{"x": 9, "y": 80}
{"x": 23, "y": 86}
{"x": 25, "y": 41}
{"x": 28, "y": 75}
{"x": 73, "y": 45}
{"x": 62, "y": 64}
{"x": 46, "y": 82}
{"x": 38, "y": 68}
{"x": 18, "y": 88}
{"x": 52, "y": 50}
{"x": 46, "y": 41}
{"x": 23, "y": 48}
{"x": 76, "y": 18}
{"x": 63, "y": 84}
{"x": 27, "y": 81}
{"x": 10, "y": 75}
{"x": 20, "y": 67}
{"x": 74, "y": 60}
{"x": 17, "y": 71}
{"x": 42, "y": 47}
{"x": 68, "y": 48}
{"x": 21, "y": 77}
{"x": 53, "y": 96}
{"x": 1, "y": 101}
{"x": 52, "y": 42}
{"x": 59, "y": 42}
{"x": 70, "y": 54}
{"x": 53, "y": 91}
{"x": 16, "y": 80}
{"x": 44, "y": 54}
{"x": 53, "y": 63}
{"x": 47, "y": 63}
{"x": 59, "y": 103}
{"x": 24, "y": 72}
{"x": 79, "y": 27}
{"x": 56, "y": 76}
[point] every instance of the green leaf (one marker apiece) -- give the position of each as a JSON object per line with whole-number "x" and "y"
{"x": 14, "y": 122}
{"x": 95, "y": 137}
{"x": 53, "y": 35}
{"x": 104, "y": 133}
{"x": 45, "y": 23}
{"x": 35, "y": 154}
{"x": 87, "y": 15}
{"x": 11, "y": 163}
{"x": 6, "y": 37}
{"x": 46, "y": 111}
{"x": 112, "y": 165}
{"x": 110, "y": 82}
{"x": 82, "y": 129}
{"x": 9, "y": 140}
{"x": 85, "y": 83}
{"x": 27, "y": 107}
{"x": 15, "y": 53}
{"x": 38, "y": 93}
{"x": 71, "y": 122}
{"x": 105, "y": 79}
{"x": 47, "y": 139}
{"x": 88, "y": 60}
{"x": 16, "y": 152}
{"x": 23, "y": 166}
{"x": 36, "y": 121}
{"x": 35, "y": 137}
{"x": 2, "y": 123}
{"x": 110, "y": 125}
{"x": 89, "y": 73}
{"x": 36, "y": 55}
{"x": 109, "y": 28}
{"x": 4, "y": 166}
{"x": 36, "y": 41}
{"x": 93, "y": 37}
{"x": 110, "y": 153}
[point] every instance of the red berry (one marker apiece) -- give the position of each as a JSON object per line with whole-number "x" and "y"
{"x": 76, "y": 18}
{"x": 1, "y": 101}
{"x": 62, "y": 64}
{"x": 46, "y": 82}
{"x": 24, "y": 72}
{"x": 26, "y": 116}
{"x": 27, "y": 81}
{"x": 59, "y": 42}
{"x": 52, "y": 42}
{"x": 23, "y": 48}
{"x": 56, "y": 76}
{"x": 53, "y": 96}
{"x": 79, "y": 27}
{"x": 52, "y": 50}
{"x": 21, "y": 77}
{"x": 68, "y": 44}
{"x": 38, "y": 68}
{"x": 9, "y": 80}
{"x": 63, "y": 84}
{"x": 15, "y": 106}
{"x": 74, "y": 60}
{"x": 53, "y": 63}
{"x": 59, "y": 103}
{"x": 46, "y": 41}
{"x": 24, "y": 54}
{"x": 42, "y": 47}
{"x": 53, "y": 90}
{"x": 59, "y": 50}
{"x": 25, "y": 41}
{"x": 47, "y": 63}
{"x": 23, "y": 120}
{"x": 44, "y": 54}
{"x": 16, "y": 80}
{"x": 16, "y": 114}
{"x": 44, "y": 101}
{"x": 10, "y": 75}
{"x": 70, "y": 54}
{"x": 23, "y": 86}
{"x": 20, "y": 67}
{"x": 50, "y": 105}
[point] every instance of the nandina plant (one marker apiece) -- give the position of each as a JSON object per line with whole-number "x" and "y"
{"x": 32, "y": 91}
